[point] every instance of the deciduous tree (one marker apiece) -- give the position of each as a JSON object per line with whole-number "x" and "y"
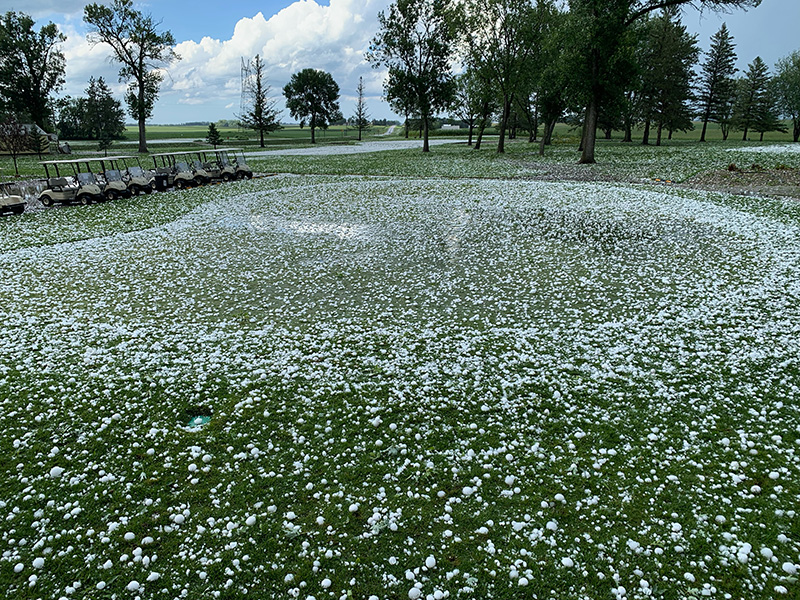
{"x": 31, "y": 67}
{"x": 312, "y": 96}
{"x": 141, "y": 50}
{"x": 415, "y": 43}
{"x": 603, "y": 26}
{"x": 787, "y": 89}
{"x": 14, "y": 138}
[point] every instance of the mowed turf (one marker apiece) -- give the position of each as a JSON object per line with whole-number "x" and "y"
{"x": 458, "y": 383}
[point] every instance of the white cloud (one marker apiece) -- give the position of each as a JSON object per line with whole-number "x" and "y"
{"x": 332, "y": 38}
{"x": 205, "y": 83}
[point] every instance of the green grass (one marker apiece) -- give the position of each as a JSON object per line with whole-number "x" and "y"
{"x": 406, "y": 356}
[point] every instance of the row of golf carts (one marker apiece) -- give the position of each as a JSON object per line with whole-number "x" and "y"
{"x": 87, "y": 180}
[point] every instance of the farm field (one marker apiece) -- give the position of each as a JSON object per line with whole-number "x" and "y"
{"x": 396, "y": 376}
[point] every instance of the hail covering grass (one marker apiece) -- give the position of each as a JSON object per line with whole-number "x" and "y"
{"x": 415, "y": 389}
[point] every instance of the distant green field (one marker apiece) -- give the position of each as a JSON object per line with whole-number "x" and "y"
{"x": 288, "y": 134}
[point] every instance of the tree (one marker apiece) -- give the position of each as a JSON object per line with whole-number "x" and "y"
{"x": 105, "y": 118}
{"x": 213, "y": 136}
{"x": 14, "y": 138}
{"x": 502, "y": 37}
{"x": 37, "y": 142}
{"x": 260, "y": 115}
{"x": 312, "y": 96}
{"x": 787, "y": 89}
{"x": 361, "y": 118}
{"x": 750, "y": 96}
{"x": 468, "y": 100}
{"x": 94, "y": 117}
{"x": 716, "y": 80}
{"x": 668, "y": 57}
{"x": 31, "y": 67}
{"x": 415, "y": 43}
{"x": 768, "y": 112}
{"x": 140, "y": 49}
{"x": 603, "y": 25}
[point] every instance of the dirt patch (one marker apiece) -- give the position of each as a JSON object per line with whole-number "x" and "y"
{"x": 749, "y": 181}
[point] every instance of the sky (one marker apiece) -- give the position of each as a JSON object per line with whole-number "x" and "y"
{"x": 213, "y": 36}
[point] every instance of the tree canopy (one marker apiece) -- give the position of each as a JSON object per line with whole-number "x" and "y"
{"x": 32, "y": 67}
{"x": 415, "y": 43}
{"x": 312, "y": 96}
{"x": 140, "y": 49}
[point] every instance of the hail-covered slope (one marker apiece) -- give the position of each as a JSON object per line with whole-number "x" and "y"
{"x": 415, "y": 389}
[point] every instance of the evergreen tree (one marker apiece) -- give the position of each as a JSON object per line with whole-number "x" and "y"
{"x": 260, "y": 115}
{"x": 768, "y": 112}
{"x": 105, "y": 118}
{"x": 37, "y": 142}
{"x": 213, "y": 136}
{"x": 716, "y": 80}
{"x": 361, "y": 118}
{"x": 750, "y": 96}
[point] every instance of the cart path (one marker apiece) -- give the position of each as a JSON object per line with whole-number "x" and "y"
{"x": 361, "y": 148}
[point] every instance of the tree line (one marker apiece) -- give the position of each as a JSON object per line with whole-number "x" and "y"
{"x": 603, "y": 65}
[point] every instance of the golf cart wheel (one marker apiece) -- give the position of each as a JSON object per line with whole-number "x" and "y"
{"x": 180, "y": 184}
{"x": 150, "y": 188}
{"x": 46, "y": 201}
{"x": 111, "y": 195}
{"x": 247, "y": 175}
{"x": 226, "y": 177}
{"x": 84, "y": 199}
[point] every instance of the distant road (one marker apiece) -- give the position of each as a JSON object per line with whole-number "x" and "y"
{"x": 361, "y": 148}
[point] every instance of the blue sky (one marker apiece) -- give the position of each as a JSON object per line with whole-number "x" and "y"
{"x": 327, "y": 34}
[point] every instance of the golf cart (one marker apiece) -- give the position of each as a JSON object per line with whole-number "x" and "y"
{"x": 237, "y": 160}
{"x": 176, "y": 169}
{"x": 114, "y": 186}
{"x": 137, "y": 180}
{"x": 10, "y": 204}
{"x": 216, "y": 168}
{"x": 70, "y": 181}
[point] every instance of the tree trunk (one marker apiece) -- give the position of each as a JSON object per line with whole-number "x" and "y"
{"x": 658, "y": 135}
{"x": 646, "y": 134}
{"x": 141, "y": 119}
{"x": 261, "y": 131}
{"x": 589, "y": 132}
{"x": 761, "y": 139}
{"x": 608, "y": 132}
{"x": 481, "y": 128}
{"x": 407, "y": 125}
{"x": 796, "y": 132}
{"x": 471, "y": 128}
{"x": 501, "y": 144}
{"x": 705, "y": 126}
{"x": 425, "y": 146}
{"x": 628, "y": 137}
{"x": 669, "y": 137}
{"x": 744, "y": 135}
{"x": 551, "y": 126}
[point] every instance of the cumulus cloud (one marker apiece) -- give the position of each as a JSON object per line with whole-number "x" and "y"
{"x": 302, "y": 35}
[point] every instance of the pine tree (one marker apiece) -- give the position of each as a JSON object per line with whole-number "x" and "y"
{"x": 751, "y": 90}
{"x": 361, "y": 118}
{"x": 261, "y": 115}
{"x": 213, "y": 136}
{"x": 669, "y": 55}
{"x": 716, "y": 80}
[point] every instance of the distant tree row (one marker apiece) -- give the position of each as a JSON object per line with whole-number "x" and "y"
{"x": 601, "y": 64}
